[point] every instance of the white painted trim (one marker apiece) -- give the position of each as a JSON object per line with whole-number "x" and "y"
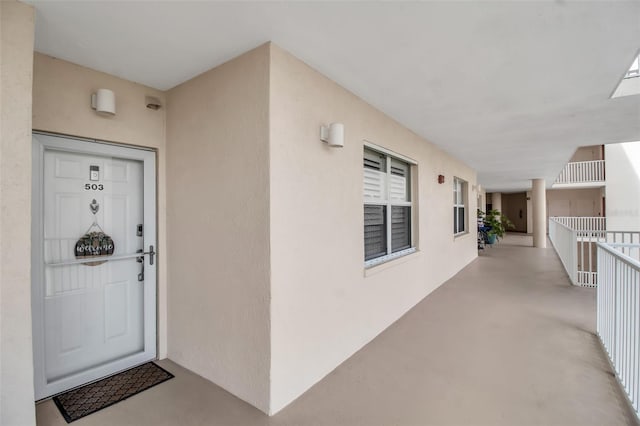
{"x": 384, "y": 203}
{"x": 580, "y": 185}
{"x": 388, "y": 257}
{"x": 386, "y": 151}
{"x": 464, "y": 190}
{"x": 375, "y": 269}
{"x": 40, "y": 142}
{"x": 96, "y": 141}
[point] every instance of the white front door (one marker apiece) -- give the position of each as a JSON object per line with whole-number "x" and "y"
{"x": 93, "y": 261}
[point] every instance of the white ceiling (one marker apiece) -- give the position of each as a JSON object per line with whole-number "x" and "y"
{"x": 511, "y": 88}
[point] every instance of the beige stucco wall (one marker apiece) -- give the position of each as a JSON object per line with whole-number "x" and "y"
{"x": 496, "y": 201}
{"x": 262, "y": 288}
{"x": 586, "y": 202}
{"x": 623, "y": 186}
{"x": 61, "y": 104}
{"x": 16, "y": 354}
{"x": 324, "y": 305}
{"x": 218, "y": 211}
{"x": 482, "y": 200}
{"x": 62, "y": 93}
{"x": 588, "y": 153}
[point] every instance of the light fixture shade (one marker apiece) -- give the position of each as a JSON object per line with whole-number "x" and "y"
{"x": 333, "y": 135}
{"x": 336, "y": 135}
{"x": 104, "y": 101}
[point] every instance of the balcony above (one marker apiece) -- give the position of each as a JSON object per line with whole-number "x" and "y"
{"x": 581, "y": 174}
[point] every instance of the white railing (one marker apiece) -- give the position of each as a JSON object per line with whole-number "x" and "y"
{"x": 582, "y": 172}
{"x": 618, "y": 314}
{"x": 575, "y": 238}
{"x": 587, "y": 265}
{"x": 583, "y": 223}
{"x": 564, "y": 240}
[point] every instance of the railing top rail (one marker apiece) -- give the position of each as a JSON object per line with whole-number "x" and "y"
{"x": 587, "y": 161}
{"x": 581, "y": 172}
{"x": 577, "y": 217}
{"x": 561, "y": 224}
{"x": 621, "y": 256}
{"x": 579, "y": 223}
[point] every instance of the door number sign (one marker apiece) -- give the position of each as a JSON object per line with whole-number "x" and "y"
{"x": 93, "y": 186}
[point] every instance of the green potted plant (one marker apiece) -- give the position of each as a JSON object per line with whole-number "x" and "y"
{"x": 498, "y": 223}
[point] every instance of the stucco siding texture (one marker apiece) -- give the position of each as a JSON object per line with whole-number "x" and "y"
{"x": 218, "y": 211}
{"x": 61, "y": 104}
{"x": 324, "y": 305}
{"x": 16, "y": 358}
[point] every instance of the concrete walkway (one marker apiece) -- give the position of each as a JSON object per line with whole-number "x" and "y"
{"x": 507, "y": 341}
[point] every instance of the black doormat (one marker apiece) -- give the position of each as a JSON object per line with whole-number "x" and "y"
{"x": 80, "y": 402}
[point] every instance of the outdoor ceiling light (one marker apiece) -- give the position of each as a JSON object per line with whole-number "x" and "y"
{"x": 333, "y": 134}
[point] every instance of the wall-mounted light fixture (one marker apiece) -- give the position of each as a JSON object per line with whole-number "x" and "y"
{"x": 440, "y": 178}
{"x": 104, "y": 101}
{"x": 333, "y": 134}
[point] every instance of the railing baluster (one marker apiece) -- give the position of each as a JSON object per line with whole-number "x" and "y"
{"x": 582, "y": 171}
{"x": 579, "y": 254}
{"x": 618, "y": 311}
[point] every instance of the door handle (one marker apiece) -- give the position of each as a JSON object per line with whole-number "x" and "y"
{"x": 151, "y": 254}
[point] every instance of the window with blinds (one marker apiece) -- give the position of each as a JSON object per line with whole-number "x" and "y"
{"x": 387, "y": 207}
{"x": 459, "y": 195}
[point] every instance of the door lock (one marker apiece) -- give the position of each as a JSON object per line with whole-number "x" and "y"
{"x": 140, "y": 259}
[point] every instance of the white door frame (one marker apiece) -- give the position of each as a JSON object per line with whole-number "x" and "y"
{"x": 40, "y": 143}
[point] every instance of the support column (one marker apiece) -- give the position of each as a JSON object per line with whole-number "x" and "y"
{"x": 539, "y": 207}
{"x": 17, "y": 405}
{"x": 496, "y": 201}
{"x": 482, "y": 199}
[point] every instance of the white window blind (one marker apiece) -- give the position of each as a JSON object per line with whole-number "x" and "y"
{"x": 387, "y": 206}
{"x": 375, "y": 176}
{"x": 399, "y": 186}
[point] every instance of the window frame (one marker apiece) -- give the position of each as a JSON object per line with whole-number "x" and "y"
{"x": 388, "y": 202}
{"x": 462, "y": 192}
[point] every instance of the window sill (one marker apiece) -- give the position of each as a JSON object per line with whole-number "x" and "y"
{"x": 460, "y": 234}
{"x": 386, "y": 262}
